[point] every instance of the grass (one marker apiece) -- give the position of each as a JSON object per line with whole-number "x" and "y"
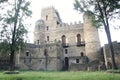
{"x": 38, "y": 75}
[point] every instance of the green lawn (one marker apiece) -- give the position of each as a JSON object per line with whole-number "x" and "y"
{"x": 38, "y": 75}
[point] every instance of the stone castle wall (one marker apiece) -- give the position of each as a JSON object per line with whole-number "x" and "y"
{"x": 91, "y": 39}
{"x": 48, "y": 36}
{"x": 36, "y": 59}
{"x": 107, "y": 55}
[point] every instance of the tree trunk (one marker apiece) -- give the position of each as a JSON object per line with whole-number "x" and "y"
{"x": 110, "y": 45}
{"x": 12, "y": 60}
{"x": 13, "y": 37}
{"x": 106, "y": 25}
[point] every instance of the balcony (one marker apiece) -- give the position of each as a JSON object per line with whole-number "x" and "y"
{"x": 80, "y": 43}
{"x": 65, "y": 45}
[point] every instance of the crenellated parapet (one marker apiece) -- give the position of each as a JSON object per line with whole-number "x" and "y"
{"x": 70, "y": 25}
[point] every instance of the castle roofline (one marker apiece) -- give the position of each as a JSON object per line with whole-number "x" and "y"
{"x": 49, "y": 7}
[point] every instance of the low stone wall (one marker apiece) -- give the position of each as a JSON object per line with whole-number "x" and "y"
{"x": 77, "y": 67}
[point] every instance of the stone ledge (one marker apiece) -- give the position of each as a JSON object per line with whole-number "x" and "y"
{"x": 113, "y": 71}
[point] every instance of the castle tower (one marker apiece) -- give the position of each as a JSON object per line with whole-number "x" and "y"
{"x": 46, "y": 27}
{"x": 39, "y": 32}
{"x": 50, "y": 16}
{"x": 51, "y": 19}
{"x": 92, "y": 42}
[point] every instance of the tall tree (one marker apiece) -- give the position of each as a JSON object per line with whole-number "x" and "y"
{"x": 13, "y": 25}
{"x": 103, "y": 11}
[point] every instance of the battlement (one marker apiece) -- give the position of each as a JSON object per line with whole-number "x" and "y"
{"x": 75, "y": 24}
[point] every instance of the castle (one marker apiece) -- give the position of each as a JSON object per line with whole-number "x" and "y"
{"x": 61, "y": 46}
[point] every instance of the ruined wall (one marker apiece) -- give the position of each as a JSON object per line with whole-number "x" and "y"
{"x": 36, "y": 59}
{"x": 107, "y": 55}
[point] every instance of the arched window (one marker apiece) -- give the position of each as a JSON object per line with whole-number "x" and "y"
{"x": 82, "y": 54}
{"x": 63, "y": 39}
{"x": 27, "y": 53}
{"x": 78, "y": 39}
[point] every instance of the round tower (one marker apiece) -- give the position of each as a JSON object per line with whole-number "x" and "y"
{"x": 92, "y": 42}
{"x": 39, "y": 32}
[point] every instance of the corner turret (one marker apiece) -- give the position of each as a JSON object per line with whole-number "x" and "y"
{"x": 92, "y": 41}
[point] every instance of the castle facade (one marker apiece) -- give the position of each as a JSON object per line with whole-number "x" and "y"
{"x": 61, "y": 46}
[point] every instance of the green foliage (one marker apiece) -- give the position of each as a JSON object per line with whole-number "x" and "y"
{"x": 38, "y": 75}
{"x": 13, "y": 23}
{"x": 4, "y": 47}
{"x": 101, "y": 9}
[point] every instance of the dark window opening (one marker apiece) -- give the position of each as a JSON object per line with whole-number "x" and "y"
{"x": 47, "y": 28}
{"x": 77, "y": 60}
{"x": 66, "y": 51}
{"x": 27, "y": 53}
{"x": 82, "y": 54}
{"x": 47, "y": 38}
{"x": 38, "y": 42}
{"x": 46, "y": 17}
{"x": 66, "y": 63}
{"x": 45, "y": 52}
{"x": 78, "y": 39}
{"x": 58, "y": 22}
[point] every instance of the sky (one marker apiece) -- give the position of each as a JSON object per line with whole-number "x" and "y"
{"x": 67, "y": 14}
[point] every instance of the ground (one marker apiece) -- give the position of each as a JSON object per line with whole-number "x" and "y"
{"x": 38, "y": 75}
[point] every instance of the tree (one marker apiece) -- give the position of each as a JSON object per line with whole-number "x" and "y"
{"x": 1, "y": 1}
{"x": 103, "y": 11}
{"x": 14, "y": 27}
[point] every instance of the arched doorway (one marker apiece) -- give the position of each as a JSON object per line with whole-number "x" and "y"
{"x": 66, "y": 63}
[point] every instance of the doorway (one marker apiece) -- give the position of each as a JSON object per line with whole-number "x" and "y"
{"x": 66, "y": 63}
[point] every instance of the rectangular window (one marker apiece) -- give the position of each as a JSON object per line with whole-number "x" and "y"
{"x": 27, "y": 53}
{"x": 47, "y": 27}
{"x": 38, "y": 42}
{"x": 46, "y": 17}
{"x": 47, "y": 38}
{"x": 77, "y": 60}
{"x": 82, "y": 54}
{"x": 66, "y": 51}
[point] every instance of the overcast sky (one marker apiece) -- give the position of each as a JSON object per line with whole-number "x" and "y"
{"x": 67, "y": 14}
